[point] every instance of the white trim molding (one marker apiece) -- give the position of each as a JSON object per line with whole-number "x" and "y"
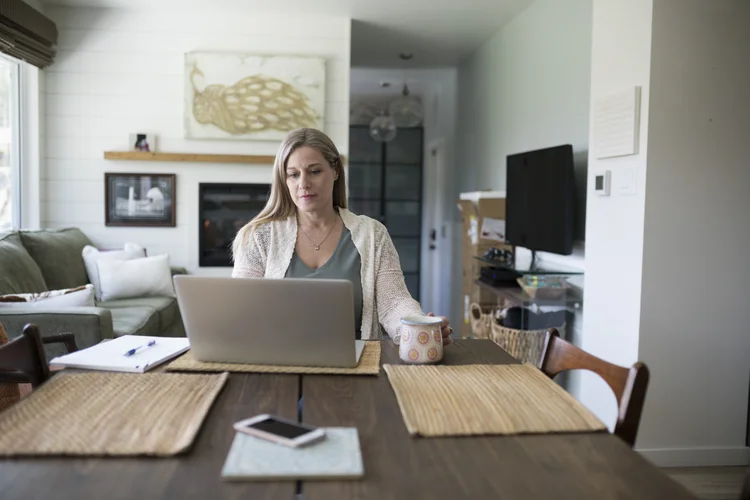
{"x": 697, "y": 457}
{"x": 12, "y": 133}
{"x": 31, "y": 145}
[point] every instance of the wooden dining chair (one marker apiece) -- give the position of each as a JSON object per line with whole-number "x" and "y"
{"x": 22, "y": 360}
{"x": 745, "y": 491}
{"x": 628, "y": 384}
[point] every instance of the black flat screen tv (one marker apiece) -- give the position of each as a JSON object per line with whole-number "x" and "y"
{"x": 540, "y": 200}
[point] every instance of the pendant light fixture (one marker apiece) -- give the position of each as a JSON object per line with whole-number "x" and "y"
{"x": 382, "y": 127}
{"x": 406, "y": 110}
{"x": 362, "y": 113}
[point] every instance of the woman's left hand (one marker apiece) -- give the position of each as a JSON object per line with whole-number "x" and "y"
{"x": 445, "y": 329}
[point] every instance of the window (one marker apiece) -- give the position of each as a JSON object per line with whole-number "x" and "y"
{"x": 10, "y": 182}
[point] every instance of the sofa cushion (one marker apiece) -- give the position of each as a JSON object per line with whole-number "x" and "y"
{"x": 18, "y": 271}
{"x": 139, "y": 320}
{"x": 92, "y": 255}
{"x": 82, "y": 296}
{"x": 58, "y": 253}
{"x": 166, "y": 308}
{"x": 135, "y": 278}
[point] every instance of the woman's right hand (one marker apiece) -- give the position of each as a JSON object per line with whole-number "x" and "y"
{"x": 445, "y": 329}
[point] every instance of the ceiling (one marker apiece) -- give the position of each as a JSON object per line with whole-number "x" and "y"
{"x": 437, "y": 32}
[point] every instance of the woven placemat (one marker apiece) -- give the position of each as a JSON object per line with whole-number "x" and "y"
{"x": 119, "y": 414}
{"x": 485, "y": 399}
{"x": 369, "y": 364}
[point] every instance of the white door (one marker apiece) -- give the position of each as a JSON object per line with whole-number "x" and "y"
{"x": 435, "y": 293}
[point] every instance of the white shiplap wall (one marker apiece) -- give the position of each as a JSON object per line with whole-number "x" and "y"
{"x": 121, "y": 71}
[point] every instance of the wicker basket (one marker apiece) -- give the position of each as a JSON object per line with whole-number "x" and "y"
{"x": 524, "y": 345}
{"x": 481, "y": 321}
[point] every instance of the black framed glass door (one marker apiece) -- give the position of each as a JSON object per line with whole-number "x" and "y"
{"x": 385, "y": 183}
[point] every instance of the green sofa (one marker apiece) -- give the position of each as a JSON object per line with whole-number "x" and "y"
{"x": 50, "y": 259}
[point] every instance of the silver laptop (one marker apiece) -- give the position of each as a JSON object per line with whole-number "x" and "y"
{"x": 298, "y": 322}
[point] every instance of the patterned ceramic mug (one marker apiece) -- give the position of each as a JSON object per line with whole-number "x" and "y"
{"x": 419, "y": 339}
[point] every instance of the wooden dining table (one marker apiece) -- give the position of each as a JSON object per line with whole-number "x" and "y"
{"x": 593, "y": 465}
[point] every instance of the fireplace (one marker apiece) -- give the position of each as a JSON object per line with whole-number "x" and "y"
{"x": 223, "y": 210}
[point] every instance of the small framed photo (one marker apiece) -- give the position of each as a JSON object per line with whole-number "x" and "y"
{"x": 140, "y": 199}
{"x": 145, "y": 143}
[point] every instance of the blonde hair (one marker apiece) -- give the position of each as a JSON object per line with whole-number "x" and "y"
{"x": 280, "y": 204}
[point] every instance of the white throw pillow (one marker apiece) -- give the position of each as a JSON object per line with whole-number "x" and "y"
{"x": 144, "y": 277}
{"x": 82, "y": 296}
{"x": 91, "y": 255}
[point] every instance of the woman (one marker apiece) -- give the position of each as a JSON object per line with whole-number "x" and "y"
{"x": 306, "y": 231}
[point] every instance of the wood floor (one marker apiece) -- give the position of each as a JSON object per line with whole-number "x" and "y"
{"x": 710, "y": 483}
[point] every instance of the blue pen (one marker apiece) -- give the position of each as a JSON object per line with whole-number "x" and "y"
{"x": 133, "y": 350}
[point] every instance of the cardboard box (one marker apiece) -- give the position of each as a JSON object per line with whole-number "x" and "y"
{"x": 482, "y": 225}
{"x": 475, "y": 231}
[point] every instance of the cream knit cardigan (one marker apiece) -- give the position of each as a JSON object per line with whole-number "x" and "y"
{"x": 385, "y": 298}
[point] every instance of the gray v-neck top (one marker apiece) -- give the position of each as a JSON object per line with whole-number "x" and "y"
{"x": 344, "y": 264}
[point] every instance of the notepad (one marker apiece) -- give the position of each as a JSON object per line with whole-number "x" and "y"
{"x": 110, "y": 355}
{"x": 338, "y": 456}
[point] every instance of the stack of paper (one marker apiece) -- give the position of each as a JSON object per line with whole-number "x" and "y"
{"x": 111, "y": 355}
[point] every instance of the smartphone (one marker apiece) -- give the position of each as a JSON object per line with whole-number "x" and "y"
{"x": 279, "y": 430}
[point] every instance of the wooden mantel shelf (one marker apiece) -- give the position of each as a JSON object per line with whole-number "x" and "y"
{"x": 188, "y": 157}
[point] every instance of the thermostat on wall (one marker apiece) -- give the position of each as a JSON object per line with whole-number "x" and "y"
{"x": 602, "y": 182}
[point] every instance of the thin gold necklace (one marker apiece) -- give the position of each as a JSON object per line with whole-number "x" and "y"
{"x": 317, "y": 246}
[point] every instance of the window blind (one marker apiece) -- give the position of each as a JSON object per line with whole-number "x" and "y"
{"x": 26, "y": 33}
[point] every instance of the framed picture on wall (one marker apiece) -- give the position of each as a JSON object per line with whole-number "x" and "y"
{"x": 252, "y": 97}
{"x": 139, "y": 199}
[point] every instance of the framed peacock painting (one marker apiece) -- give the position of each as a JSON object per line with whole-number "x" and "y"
{"x": 230, "y": 95}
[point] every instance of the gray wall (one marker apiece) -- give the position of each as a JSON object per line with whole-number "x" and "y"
{"x": 695, "y": 312}
{"x": 620, "y": 59}
{"x": 527, "y": 88}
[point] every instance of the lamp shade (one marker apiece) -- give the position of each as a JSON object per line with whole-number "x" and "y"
{"x": 383, "y": 128}
{"x": 406, "y": 110}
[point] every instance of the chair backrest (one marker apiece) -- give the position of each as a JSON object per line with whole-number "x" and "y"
{"x": 628, "y": 384}
{"x": 745, "y": 491}
{"x": 22, "y": 360}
